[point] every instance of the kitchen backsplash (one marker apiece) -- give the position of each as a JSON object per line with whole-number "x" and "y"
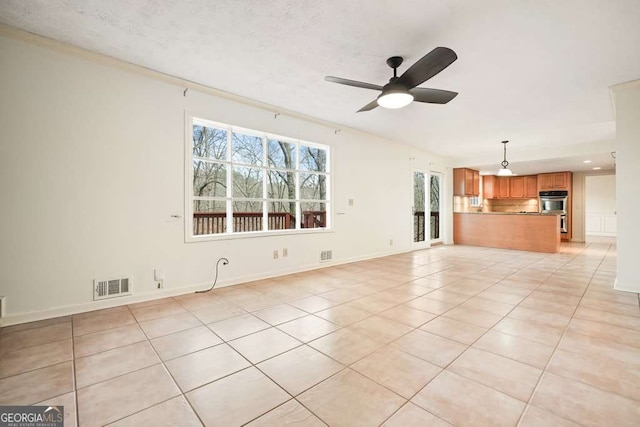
{"x": 463, "y": 204}
{"x": 511, "y": 205}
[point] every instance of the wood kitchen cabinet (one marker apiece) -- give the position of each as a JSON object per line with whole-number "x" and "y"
{"x": 510, "y": 187}
{"x": 504, "y": 187}
{"x": 531, "y": 186}
{"x": 554, "y": 181}
{"x": 466, "y": 182}
{"x": 523, "y": 187}
{"x": 516, "y": 187}
{"x": 489, "y": 187}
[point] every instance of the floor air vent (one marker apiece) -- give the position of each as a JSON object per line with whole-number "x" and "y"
{"x": 110, "y": 288}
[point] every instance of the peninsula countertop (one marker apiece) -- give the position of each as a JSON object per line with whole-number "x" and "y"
{"x": 508, "y": 230}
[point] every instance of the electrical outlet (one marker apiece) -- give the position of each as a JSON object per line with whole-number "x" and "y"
{"x": 275, "y": 254}
{"x": 391, "y": 242}
{"x": 285, "y": 252}
{"x": 160, "y": 284}
{"x": 158, "y": 274}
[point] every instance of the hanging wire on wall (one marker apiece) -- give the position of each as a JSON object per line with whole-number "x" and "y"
{"x": 224, "y": 262}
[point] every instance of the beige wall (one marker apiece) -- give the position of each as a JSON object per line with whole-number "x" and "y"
{"x": 92, "y": 170}
{"x": 627, "y": 107}
{"x": 578, "y": 206}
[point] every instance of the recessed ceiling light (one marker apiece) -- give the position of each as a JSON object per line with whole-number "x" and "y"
{"x": 586, "y": 161}
{"x": 597, "y": 168}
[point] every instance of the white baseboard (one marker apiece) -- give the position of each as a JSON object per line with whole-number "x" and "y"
{"x": 171, "y": 292}
{"x": 626, "y": 286}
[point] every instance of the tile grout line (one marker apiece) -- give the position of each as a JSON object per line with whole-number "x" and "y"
{"x": 470, "y": 345}
{"x": 442, "y": 369}
{"x": 369, "y": 316}
{"x": 564, "y": 332}
{"x": 605, "y": 324}
{"x": 345, "y": 367}
{"x": 166, "y": 369}
{"x": 132, "y": 371}
{"x": 409, "y": 400}
{"x": 251, "y": 365}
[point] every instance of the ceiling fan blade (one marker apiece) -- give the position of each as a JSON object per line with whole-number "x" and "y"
{"x": 370, "y": 106}
{"x": 430, "y": 65}
{"x": 432, "y": 96}
{"x": 352, "y": 83}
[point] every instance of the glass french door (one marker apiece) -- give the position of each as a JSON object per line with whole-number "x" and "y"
{"x": 435, "y": 187}
{"x": 420, "y": 202}
{"x": 426, "y": 208}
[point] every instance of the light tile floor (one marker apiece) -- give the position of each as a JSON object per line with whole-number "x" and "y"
{"x": 452, "y": 335}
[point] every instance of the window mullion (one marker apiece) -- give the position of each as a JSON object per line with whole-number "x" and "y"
{"x": 265, "y": 171}
{"x": 207, "y": 163}
{"x": 229, "y": 200}
{"x": 297, "y": 178}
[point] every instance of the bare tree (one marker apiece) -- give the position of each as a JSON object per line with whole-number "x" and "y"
{"x": 209, "y": 178}
{"x": 435, "y": 193}
{"x": 211, "y": 169}
{"x": 282, "y": 185}
{"x": 314, "y": 160}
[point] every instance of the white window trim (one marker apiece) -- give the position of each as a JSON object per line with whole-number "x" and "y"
{"x": 190, "y": 119}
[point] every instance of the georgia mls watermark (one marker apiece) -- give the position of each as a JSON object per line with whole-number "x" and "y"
{"x": 31, "y": 416}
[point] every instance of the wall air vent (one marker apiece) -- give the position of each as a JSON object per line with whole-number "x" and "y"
{"x": 326, "y": 256}
{"x": 110, "y": 288}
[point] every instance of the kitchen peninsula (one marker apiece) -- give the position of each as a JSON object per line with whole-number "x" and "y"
{"x": 505, "y": 230}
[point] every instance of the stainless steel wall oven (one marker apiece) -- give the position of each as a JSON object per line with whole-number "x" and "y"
{"x": 555, "y": 202}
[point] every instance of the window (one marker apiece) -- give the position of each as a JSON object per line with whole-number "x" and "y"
{"x": 244, "y": 181}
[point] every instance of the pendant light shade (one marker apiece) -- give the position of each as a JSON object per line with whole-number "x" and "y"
{"x": 505, "y": 171}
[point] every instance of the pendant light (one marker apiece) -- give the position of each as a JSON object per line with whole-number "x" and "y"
{"x": 505, "y": 171}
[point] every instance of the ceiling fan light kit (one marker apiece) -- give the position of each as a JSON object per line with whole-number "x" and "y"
{"x": 505, "y": 171}
{"x": 401, "y": 91}
{"x": 395, "y": 98}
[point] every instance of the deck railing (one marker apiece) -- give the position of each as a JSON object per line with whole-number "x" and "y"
{"x": 314, "y": 219}
{"x": 216, "y": 222}
{"x": 435, "y": 225}
{"x": 419, "y": 226}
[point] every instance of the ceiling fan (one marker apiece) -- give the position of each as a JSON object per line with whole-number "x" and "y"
{"x": 401, "y": 91}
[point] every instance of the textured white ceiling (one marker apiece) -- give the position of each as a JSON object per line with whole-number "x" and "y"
{"x": 534, "y": 72}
